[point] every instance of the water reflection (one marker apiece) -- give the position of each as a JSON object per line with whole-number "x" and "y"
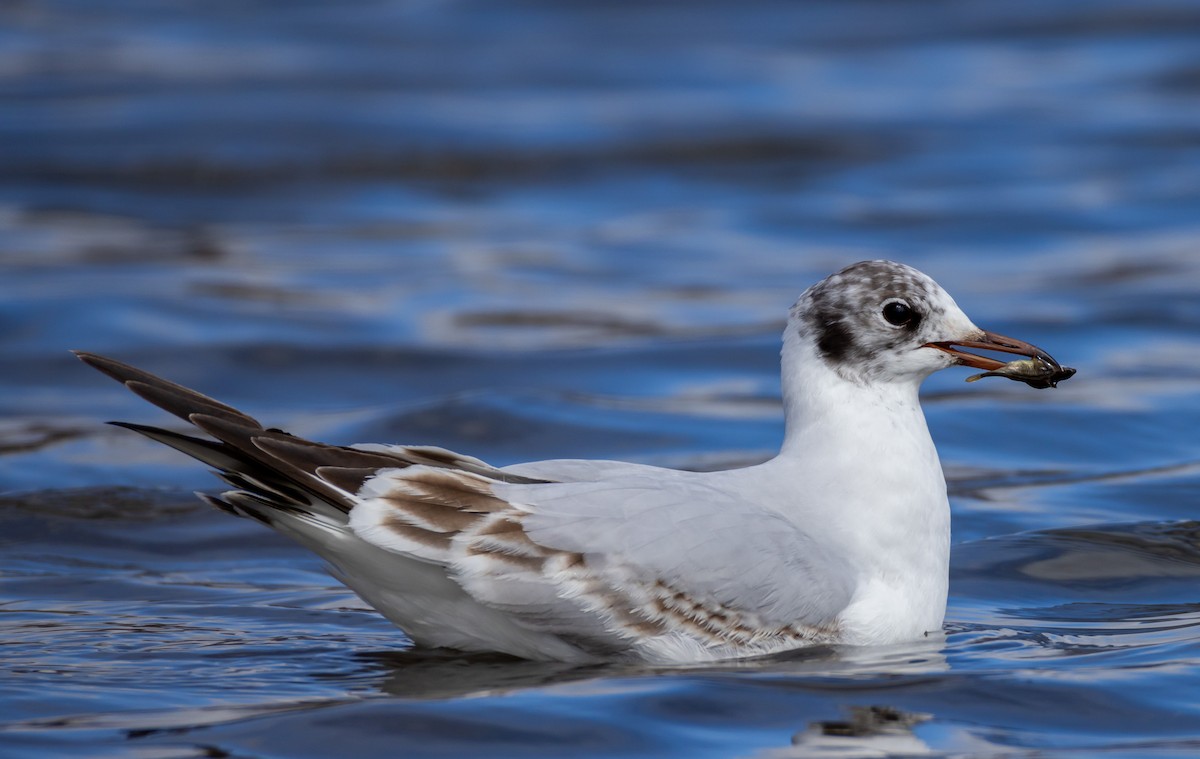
{"x": 867, "y": 731}
{"x": 439, "y": 675}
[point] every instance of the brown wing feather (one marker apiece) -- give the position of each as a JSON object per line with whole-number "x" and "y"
{"x": 275, "y": 468}
{"x": 271, "y": 467}
{"x": 177, "y": 399}
{"x": 350, "y": 479}
{"x": 444, "y": 508}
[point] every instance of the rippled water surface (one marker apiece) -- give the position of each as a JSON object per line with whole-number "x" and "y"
{"x": 534, "y": 229}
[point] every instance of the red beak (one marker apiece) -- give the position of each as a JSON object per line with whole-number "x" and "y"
{"x": 992, "y": 342}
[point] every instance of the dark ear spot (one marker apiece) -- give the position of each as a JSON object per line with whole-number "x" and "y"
{"x": 834, "y": 340}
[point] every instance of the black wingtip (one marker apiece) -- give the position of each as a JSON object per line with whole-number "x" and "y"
{"x": 169, "y": 396}
{"x": 217, "y": 503}
{"x": 142, "y": 428}
{"x": 88, "y": 358}
{"x": 145, "y": 429}
{"x": 113, "y": 368}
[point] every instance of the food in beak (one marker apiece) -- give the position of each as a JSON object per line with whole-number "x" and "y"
{"x": 1035, "y": 372}
{"x": 1040, "y": 370}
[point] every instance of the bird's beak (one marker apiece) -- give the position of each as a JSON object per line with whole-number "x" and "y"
{"x": 990, "y": 341}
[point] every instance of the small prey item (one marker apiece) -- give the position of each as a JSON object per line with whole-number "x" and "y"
{"x": 1036, "y": 372}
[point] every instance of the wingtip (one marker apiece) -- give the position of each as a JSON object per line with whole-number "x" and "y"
{"x": 87, "y": 356}
{"x": 110, "y": 366}
{"x": 131, "y": 426}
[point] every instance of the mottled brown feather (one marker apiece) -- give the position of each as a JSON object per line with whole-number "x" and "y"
{"x": 436, "y": 540}
{"x": 529, "y": 563}
{"x": 430, "y": 515}
{"x": 445, "y": 487}
{"x": 513, "y": 543}
{"x": 278, "y": 470}
{"x": 504, "y": 527}
{"x": 443, "y": 459}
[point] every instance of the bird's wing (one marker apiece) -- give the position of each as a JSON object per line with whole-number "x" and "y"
{"x": 660, "y": 557}
{"x": 634, "y": 558}
{"x": 271, "y": 468}
{"x": 582, "y": 470}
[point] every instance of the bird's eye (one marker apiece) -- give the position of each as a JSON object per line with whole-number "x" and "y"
{"x": 898, "y": 312}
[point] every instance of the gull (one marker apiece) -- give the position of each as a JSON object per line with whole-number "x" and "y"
{"x": 841, "y": 538}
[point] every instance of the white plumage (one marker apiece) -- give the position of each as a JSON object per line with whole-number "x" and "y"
{"x": 841, "y": 538}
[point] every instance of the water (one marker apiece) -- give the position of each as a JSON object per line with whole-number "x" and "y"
{"x": 531, "y": 229}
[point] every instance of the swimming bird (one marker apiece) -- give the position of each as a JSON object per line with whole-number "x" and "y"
{"x": 841, "y": 538}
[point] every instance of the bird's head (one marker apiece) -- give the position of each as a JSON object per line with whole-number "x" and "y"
{"x": 882, "y": 322}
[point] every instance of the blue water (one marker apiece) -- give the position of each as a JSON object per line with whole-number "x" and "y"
{"x": 532, "y": 229}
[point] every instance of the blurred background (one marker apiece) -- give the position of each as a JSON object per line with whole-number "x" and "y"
{"x": 537, "y": 229}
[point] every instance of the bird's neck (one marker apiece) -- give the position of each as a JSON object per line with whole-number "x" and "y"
{"x": 820, "y": 404}
{"x": 865, "y": 446}
{"x": 862, "y": 465}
